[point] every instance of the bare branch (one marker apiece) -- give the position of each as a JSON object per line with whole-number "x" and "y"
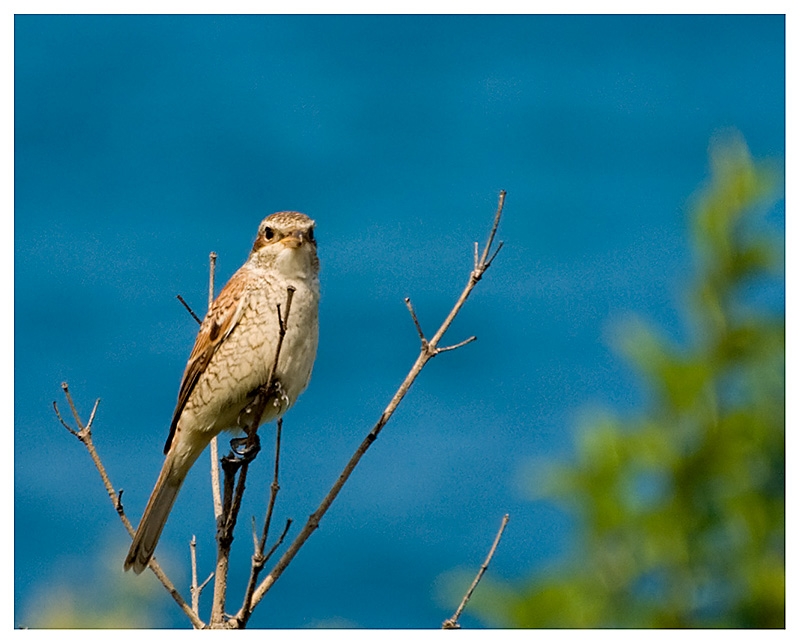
{"x": 214, "y": 451}
{"x": 196, "y": 589}
{"x": 189, "y": 308}
{"x": 75, "y": 415}
{"x": 274, "y": 488}
{"x": 62, "y": 421}
{"x": 491, "y": 259}
{"x": 501, "y": 200}
{"x": 84, "y": 435}
{"x": 428, "y": 351}
{"x": 205, "y": 583}
{"x": 474, "y": 276}
{"x": 456, "y": 346}
{"x": 416, "y": 321}
{"x": 278, "y": 543}
{"x": 259, "y": 560}
{"x": 453, "y": 621}
{"x": 193, "y": 589}
{"x": 212, "y": 268}
{"x": 91, "y": 416}
{"x": 255, "y": 533}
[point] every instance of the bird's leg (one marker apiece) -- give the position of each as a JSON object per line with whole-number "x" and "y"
{"x": 246, "y": 448}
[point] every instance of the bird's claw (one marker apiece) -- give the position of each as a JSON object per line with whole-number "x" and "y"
{"x": 246, "y": 448}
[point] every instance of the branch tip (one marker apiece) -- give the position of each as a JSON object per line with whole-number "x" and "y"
{"x": 496, "y": 250}
{"x": 452, "y": 623}
{"x": 85, "y": 436}
{"x": 91, "y": 416}
{"x": 457, "y": 346}
{"x": 421, "y": 334}
{"x": 482, "y": 265}
{"x": 63, "y": 422}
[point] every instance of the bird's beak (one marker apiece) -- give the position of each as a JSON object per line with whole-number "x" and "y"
{"x": 294, "y": 239}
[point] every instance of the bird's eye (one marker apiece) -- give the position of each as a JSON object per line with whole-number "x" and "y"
{"x": 268, "y": 233}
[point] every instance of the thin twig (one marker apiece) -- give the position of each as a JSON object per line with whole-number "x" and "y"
{"x": 482, "y": 265}
{"x": 259, "y": 560}
{"x": 278, "y": 543}
{"x": 457, "y": 346}
{"x": 255, "y": 533}
{"x": 84, "y": 435}
{"x": 274, "y": 488}
{"x": 428, "y": 351}
{"x": 212, "y": 268}
{"x": 189, "y": 308}
{"x": 496, "y": 250}
{"x": 193, "y": 589}
{"x": 232, "y": 501}
{"x": 196, "y": 589}
{"x": 91, "y": 415}
{"x": 453, "y": 621}
{"x": 214, "y": 451}
{"x": 416, "y": 321}
{"x": 205, "y": 583}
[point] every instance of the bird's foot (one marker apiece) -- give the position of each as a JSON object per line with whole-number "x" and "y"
{"x": 244, "y": 449}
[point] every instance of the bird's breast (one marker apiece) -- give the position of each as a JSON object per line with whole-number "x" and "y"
{"x": 242, "y": 362}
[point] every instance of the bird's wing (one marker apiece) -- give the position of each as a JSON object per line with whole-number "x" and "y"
{"x": 221, "y": 319}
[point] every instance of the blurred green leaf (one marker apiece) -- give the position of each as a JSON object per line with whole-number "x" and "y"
{"x": 682, "y": 506}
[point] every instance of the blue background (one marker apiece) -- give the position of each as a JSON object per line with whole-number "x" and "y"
{"x": 142, "y": 143}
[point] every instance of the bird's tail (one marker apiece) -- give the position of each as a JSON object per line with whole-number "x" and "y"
{"x": 158, "y": 508}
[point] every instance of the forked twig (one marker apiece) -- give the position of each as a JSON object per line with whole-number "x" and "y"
{"x": 196, "y": 589}
{"x": 428, "y": 350}
{"x": 260, "y": 559}
{"x": 193, "y": 589}
{"x": 84, "y": 435}
{"x": 453, "y": 621}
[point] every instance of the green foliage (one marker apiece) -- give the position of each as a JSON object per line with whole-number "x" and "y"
{"x": 681, "y": 508}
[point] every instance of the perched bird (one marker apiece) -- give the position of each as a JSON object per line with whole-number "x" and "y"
{"x": 232, "y": 357}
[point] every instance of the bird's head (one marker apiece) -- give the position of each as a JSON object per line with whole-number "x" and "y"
{"x": 286, "y": 241}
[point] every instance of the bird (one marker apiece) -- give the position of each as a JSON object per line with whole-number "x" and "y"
{"x": 232, "y": 357}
